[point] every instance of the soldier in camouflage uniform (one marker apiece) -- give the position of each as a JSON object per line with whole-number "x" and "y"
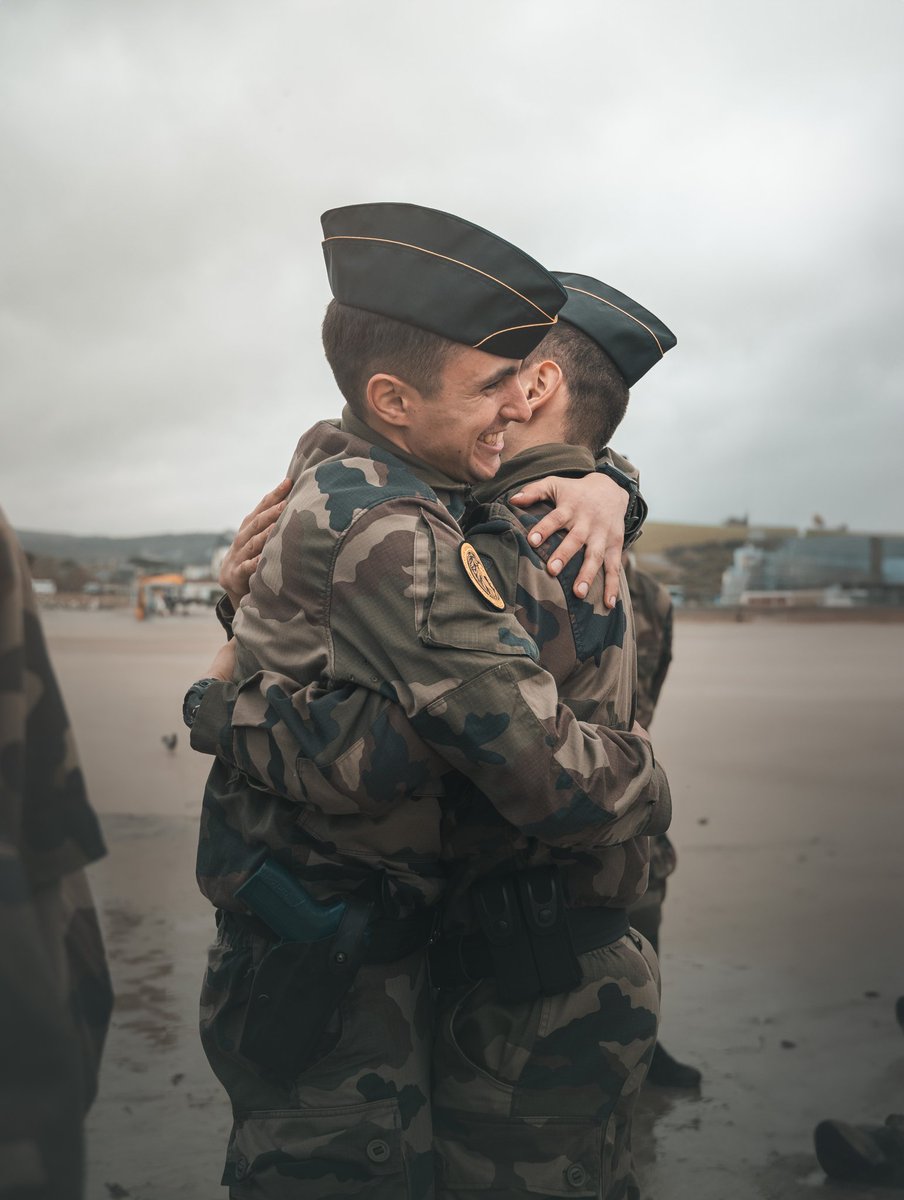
{"x": 653, "y": 616}
{"x": 499, "y": 1137}
{"x": 537, "y": 1096}
{"x": 377, "y": 667}
{"x": 55, "y": 996}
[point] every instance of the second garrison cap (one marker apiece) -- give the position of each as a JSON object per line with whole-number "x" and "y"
{"x": 630, "y": 334}
{"x": 441, "y": 273}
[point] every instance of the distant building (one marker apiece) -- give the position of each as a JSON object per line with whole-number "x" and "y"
{"x": 197, "y": 572}
{"x": 743, "y": 574}
{"x": 201, "y": 591}
{"x": 44, "y": 587}
{"x": 835, "y": 569}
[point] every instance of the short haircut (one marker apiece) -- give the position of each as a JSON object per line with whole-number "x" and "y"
{"x": 359, "y": 344}
{"x": 597, "y": 392}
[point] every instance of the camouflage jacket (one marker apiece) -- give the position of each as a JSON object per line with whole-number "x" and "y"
{"x": 653, "y": 631}
{"x": 374, "y": 675}
{"x": 55, "y": 995}
{"x": 589, "y": 651}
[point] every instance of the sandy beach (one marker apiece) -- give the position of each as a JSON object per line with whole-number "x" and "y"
{"x": 782, "y": 939}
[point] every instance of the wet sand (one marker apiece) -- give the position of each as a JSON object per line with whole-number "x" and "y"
{"x": 782, "y": 938}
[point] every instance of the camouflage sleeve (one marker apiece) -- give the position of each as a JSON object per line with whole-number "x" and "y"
{"x": 409, "y": 623}
{"x": 653, "y": 616}
{"x": 663, "y": 659}
{"x": 55, "y": 995}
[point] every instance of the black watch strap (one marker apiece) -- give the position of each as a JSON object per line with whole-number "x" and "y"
{"x": 225, "y": 612}
{"x": 636, "y": 512}
{"x": 193, "y": 698}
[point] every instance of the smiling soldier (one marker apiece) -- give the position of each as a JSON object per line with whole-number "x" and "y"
{"x": 376, "y": 668}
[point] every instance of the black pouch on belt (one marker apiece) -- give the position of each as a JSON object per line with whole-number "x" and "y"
{"x": 296, "y": 989}
{"x": 543, "y": 907}
{"x": 498, "y": 913}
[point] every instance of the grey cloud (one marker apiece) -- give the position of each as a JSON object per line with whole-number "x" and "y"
{"x": 735, "y": 168}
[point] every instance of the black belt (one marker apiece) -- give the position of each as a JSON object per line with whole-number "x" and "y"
{"x": 466, "y": 959}
{"x": 385, "y": 940}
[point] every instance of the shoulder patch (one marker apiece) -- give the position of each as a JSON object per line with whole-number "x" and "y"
{"x": 477, "y": 573}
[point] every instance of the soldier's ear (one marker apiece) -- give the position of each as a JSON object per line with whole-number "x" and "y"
{"x": 389, "y": 399}
{"x": 541, "y": 382}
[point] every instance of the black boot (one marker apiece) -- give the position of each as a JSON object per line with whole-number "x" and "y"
{"x": 865, "y": 1153}
{"x": 666, "y": 1071}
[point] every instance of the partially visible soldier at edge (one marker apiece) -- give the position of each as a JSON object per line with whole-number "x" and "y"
{"x": 55, "y": 994}
{"x": 376, "y": 526}
{"x": 653, "y": 621}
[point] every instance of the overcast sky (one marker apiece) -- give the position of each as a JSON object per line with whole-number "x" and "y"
{"x": 737, "y": 167}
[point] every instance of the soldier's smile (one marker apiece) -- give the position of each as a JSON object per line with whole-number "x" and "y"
{"x": 494, "y": 444}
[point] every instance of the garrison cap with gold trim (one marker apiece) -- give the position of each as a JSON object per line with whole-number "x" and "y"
{"x": 441, "y": 273}
{"x": 630, "y": 334}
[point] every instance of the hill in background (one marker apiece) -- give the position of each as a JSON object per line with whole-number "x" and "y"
{"x": 176, "y": 549}
{"x": 658, "y": 540}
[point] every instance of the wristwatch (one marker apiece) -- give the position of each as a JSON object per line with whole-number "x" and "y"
{"x": 193, "y": 698}
{"x": 636, "y": 512}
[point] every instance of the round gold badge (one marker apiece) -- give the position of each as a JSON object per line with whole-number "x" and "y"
{"x": 477, "y": 573}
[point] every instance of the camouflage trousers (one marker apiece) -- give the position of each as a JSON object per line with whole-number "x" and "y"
{"x": 354, "y": 1123}
{"x": 646, "y": 913}
{"x": 55, "y": 1002}
{"x": 536, "y": 1099}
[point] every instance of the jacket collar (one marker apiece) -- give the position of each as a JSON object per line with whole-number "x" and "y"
{"x": 554, "y": 458}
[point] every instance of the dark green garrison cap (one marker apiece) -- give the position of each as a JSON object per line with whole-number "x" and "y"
{"x": 633, "y": 338}
{"x": 441, "y": 273}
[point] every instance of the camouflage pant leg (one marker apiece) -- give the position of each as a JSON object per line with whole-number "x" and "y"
{"x": 42, "y": 1078}
{"x": 355, "y": 1123}
{"x": 646, "y": 913}
{"x": 536, "y": 1099}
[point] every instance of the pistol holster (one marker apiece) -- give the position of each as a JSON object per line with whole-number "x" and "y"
{"x": 296, "y": 989}
{"x": 523, "y": 917}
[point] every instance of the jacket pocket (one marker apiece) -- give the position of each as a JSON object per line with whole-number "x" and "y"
{"x": 352, "y": 1150}
{"x": 458, "y": 615}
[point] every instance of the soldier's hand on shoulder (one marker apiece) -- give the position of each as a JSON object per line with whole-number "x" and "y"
{"x": 243, "y": 555}
{"x": 592, "y": 509}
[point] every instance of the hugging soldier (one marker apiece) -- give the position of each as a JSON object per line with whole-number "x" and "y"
{"x": 379, "y": 662}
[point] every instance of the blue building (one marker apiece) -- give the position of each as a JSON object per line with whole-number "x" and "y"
{"x": 870, "y": 568}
